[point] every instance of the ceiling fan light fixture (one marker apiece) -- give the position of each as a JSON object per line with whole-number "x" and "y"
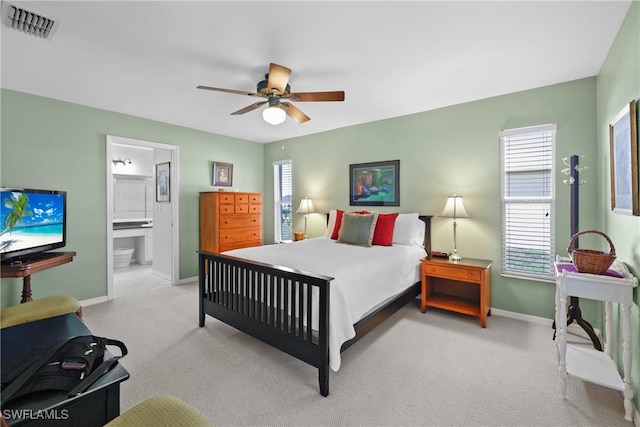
{"x": 274, "y": 115}
{"x": 275, "y": 88}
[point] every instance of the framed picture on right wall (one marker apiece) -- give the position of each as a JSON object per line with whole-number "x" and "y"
{"x": 623, "y": 146}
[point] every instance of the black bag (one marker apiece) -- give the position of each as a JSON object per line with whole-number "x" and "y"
{"x": 70, "y": 365}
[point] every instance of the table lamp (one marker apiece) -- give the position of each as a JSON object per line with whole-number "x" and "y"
{"x": 306, "y": 207}
{"x": 454, "y": 209}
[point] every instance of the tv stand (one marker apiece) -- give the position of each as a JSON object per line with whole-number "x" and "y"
{"x": 24, "y": 267}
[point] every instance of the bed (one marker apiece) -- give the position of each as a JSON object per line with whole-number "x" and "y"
{"x": 304, "y": 299}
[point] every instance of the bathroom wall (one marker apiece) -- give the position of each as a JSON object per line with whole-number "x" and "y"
{"x": 133, "y": 188}
{"x": 138, "y": 161}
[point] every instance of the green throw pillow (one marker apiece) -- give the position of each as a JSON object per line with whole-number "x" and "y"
{"x": 357, "y": 229}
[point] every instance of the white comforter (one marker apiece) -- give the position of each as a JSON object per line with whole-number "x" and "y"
{"x": 363, "y": 277}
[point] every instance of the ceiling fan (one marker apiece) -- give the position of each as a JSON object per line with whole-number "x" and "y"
{"x": 276, "y": 90}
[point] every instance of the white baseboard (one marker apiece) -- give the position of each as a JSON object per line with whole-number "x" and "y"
{"x": 520, "y": 316}
{"x": 188, "y": 280}
{"x": 573, "y": 328}
{"x": 93, "y": 301}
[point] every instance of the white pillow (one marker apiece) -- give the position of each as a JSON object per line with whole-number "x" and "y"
{"x": 331, "y": 224}
{"x": 418, "y": 237}
{"x": 405, "y": 230}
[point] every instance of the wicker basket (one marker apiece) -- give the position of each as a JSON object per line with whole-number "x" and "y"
{"x": 122, "y": 257}
{"x": 589, "y": 260}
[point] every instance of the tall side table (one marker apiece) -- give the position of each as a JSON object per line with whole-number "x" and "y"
{"x": 27, "y": 267}
{"x": 587, "y": 363}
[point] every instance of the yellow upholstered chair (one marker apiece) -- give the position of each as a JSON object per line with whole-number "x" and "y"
{"x": 161, "y": 411}
{"x": 39, "y": 309}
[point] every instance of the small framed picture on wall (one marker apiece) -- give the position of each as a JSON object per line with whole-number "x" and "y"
{"x": 623, "y": 146}
{"x": 222, "y": 174}
{"x": 163, "y": 181}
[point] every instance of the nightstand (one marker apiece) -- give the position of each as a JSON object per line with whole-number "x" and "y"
{"x": 463, "y": 286}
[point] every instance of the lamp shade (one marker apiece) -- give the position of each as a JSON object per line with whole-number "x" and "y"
{"x": 274, "y": 115}
{"x": 454, "y": 208}
{"x": 306, "y": 206}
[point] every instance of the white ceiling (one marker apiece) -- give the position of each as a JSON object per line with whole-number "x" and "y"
{"x": 146, "y": 58}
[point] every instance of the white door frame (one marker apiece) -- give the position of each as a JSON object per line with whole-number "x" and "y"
{"x": 175, "y": 211}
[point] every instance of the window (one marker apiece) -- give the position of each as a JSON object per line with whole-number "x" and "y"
{"x": 528, "y": 201}
{"x": 282, "y": 200}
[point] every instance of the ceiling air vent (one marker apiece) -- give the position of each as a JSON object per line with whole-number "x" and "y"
{"x": 28, "y": 22}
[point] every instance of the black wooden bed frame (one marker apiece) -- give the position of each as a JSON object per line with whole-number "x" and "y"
{"x": 274, "y": 304}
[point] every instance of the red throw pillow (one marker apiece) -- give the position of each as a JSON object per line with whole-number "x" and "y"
{"x": 383, "y": 234}
{"x": 336, "y": 228}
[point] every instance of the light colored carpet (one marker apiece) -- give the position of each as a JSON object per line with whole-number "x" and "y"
{"x": 432, "y": 369}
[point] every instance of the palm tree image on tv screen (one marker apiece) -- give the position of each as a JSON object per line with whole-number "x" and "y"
{"x": 32, "y": 221}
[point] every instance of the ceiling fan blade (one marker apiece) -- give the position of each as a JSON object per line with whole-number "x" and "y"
{"x": 293, "y": 112}
{"x": 316, "y": 96}
{"x": 237, "y": 92}
{"x": 249, "y": 108}
{"x": 278, "y": 78}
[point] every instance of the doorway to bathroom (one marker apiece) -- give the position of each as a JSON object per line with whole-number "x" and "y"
{"x": 142, "y": 216}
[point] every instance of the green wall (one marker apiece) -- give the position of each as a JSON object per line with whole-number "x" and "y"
{"x": 453, "y": 150}
{"x": 618, "y": 84}
{"x": 51, "y": 144}
{"x": 46, "y": 143}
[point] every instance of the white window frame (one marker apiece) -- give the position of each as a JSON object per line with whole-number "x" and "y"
{"x": 278, "y": 202}
{"x": 543, "y": 225}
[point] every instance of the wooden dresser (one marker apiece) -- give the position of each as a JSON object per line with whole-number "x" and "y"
{"x": 230, "y": 220}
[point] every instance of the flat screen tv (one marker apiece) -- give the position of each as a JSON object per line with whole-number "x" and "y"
{"x": 33, "y": 221}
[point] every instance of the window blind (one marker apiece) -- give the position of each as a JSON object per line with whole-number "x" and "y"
{"x": 282, "y": 184}
{"x": 528, "y": 192}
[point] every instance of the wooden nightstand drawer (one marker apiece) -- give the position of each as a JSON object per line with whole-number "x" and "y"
{"x": 452, "y": 272}
{"x": 241, "y": 209}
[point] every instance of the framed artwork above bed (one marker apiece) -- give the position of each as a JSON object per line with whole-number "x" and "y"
{"x": 375, "y": 184}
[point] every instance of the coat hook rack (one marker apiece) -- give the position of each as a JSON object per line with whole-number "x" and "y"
{"x": 573, "y": 165}
{"x": 573, "y": 171}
